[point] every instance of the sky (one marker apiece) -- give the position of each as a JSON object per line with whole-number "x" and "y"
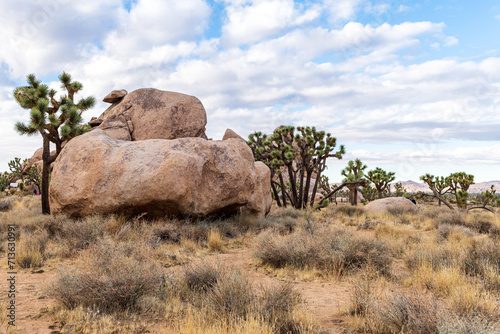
{"x": 409, "y": 86}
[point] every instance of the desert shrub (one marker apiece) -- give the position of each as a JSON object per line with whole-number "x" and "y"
{"x": 444, "y": 230}
{"x": 233, "y": 296}
{"x": 403, "y": 312}
{"x": 31, "y": 249}
{"x": 338, "y": 251}
{"x": 432, "y": 255}
{"x": 349, "y": 210}
{"x": 5, "y": 206}
{"x": 215, "y": 241}
{"x": 111, "y": 277}
{"x": 203, "y": 277}
{"x": 483, "y": 259}
{"x": 80, "y": 234}
{"x": 467, "y": 325}
{"x": 229, "y": 296}
{"x": 286, "y": 212}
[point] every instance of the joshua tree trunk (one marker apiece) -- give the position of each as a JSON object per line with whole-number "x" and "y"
{"x": 45, "y": 176}
{"x": 275, "y": 192}
{"x": 283, "y": 190}
{"x": 353, "y": 195}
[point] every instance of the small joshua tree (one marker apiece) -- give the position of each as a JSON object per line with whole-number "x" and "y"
{"x": 381, "y": 179}
{"x": 57, "y": 120}
{"x": 4, "y": 181}
{"x": 16, "y": 168}
{"x": 399, "y": 189}
{"x": 354, "y": 172}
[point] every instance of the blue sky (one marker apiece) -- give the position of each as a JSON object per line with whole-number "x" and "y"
{"x": 410, "y": 86}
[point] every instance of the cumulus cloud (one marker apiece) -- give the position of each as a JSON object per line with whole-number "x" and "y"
{"x": 275, "y": 62}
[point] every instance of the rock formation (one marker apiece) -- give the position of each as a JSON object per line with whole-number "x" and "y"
{"x": 190, "y": 177}
{"x": 152, "y": 114}
{"x": 382, "y": 205}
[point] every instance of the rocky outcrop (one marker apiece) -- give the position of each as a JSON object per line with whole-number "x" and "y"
{"x": 37, "y": 156}
{"x": 115, "y": 96}
{"x": 260, "y": 203}
{"x": 382, "y": 205}
{"x": 152, "y": 114}
{"x": 231, "y": 134}
{"x": 190, "y": 177}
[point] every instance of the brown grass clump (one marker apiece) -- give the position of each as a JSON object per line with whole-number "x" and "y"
{"x": 31, "y": 249}
{"x": 111, "y": 277}
{"x": 5, "y": 206}
{"x": 215, "y": 241}
{"x": 338, "y": 251}
{"x": 229, "y": 298}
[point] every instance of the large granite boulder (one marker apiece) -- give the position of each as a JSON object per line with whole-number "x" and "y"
{"x": 382, "y": 205}
{"x": 37, "y": 156}
{"x": 190, "y": 177}
{"x": 149, "y": 113}
{"x": 261, "y": 200}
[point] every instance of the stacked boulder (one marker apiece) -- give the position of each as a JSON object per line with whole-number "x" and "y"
{"x": 148, "y": 153}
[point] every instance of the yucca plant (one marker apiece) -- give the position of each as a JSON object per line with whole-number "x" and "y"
{"x": 57, "y": 119}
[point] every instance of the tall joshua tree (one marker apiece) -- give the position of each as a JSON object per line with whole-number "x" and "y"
{"x": 354, "y": 172}
{"x": 459, "y": 184}
{"x": 57, "y": 120}
{"x": 301, "y": 154}
{"x": 381, "y": 179}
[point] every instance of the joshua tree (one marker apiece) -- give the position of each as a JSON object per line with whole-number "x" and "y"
{"x": 488, "y": 197}
{"x": 381, "y": 179}
{"x": 262, "y": 148}
{"x": 57, "y": 120}
{"x": 399, "y": 189}
{"x": 16, "y": 168}
{"x": 4, "y": 181}
{"x": 353, "y": 172}
{"x": 34, "y": 177}
{"x": 431, "y": 182}
{"x": 369, "y": 193}
{"x": 459, "y": 183}
{"x": 300, "y": 155}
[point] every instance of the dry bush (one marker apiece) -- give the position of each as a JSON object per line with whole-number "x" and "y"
{"x": 230, "y": 297}
{"x": 337, "y": 251}
{"x": 401, "y": 312}
{"x": 467, "y": 325}
{"x": 349, "y": 210}
{"x": 111, "y": 277}
{"x": 31, "y": 249}
{"x": 5, "y": 206}
{"x": 215, "y": 241}
{"x": 203, "y": 277}
{"x": 483, "y": 260}
{"x": 286, "y": 212}
{"x": 80, "y": 234}
{"x": 445, "y": 230}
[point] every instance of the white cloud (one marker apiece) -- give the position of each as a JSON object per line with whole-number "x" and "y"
{"x": 260, "y": 19}
{"x": 341, "y": 10}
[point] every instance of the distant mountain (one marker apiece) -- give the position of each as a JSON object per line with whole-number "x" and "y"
{"x": 412, "y": 186}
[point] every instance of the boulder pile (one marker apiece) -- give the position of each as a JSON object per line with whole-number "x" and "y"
{"x": 148, "y": 153}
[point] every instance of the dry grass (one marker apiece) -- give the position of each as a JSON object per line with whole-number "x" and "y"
{"x": 336, "y": 251}
{"x": 429, "y": 272}
{"x": 31, "y": 249}
{"x": 112, "y": 277}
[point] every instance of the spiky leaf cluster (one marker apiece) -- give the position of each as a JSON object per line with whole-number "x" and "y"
{"x": 4, "y": 181}
{"x": 354, "y": 171}
{"x": 380, "y": 179}
{"x": 58, "y": 119}
{"x": 16, "y": 168}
